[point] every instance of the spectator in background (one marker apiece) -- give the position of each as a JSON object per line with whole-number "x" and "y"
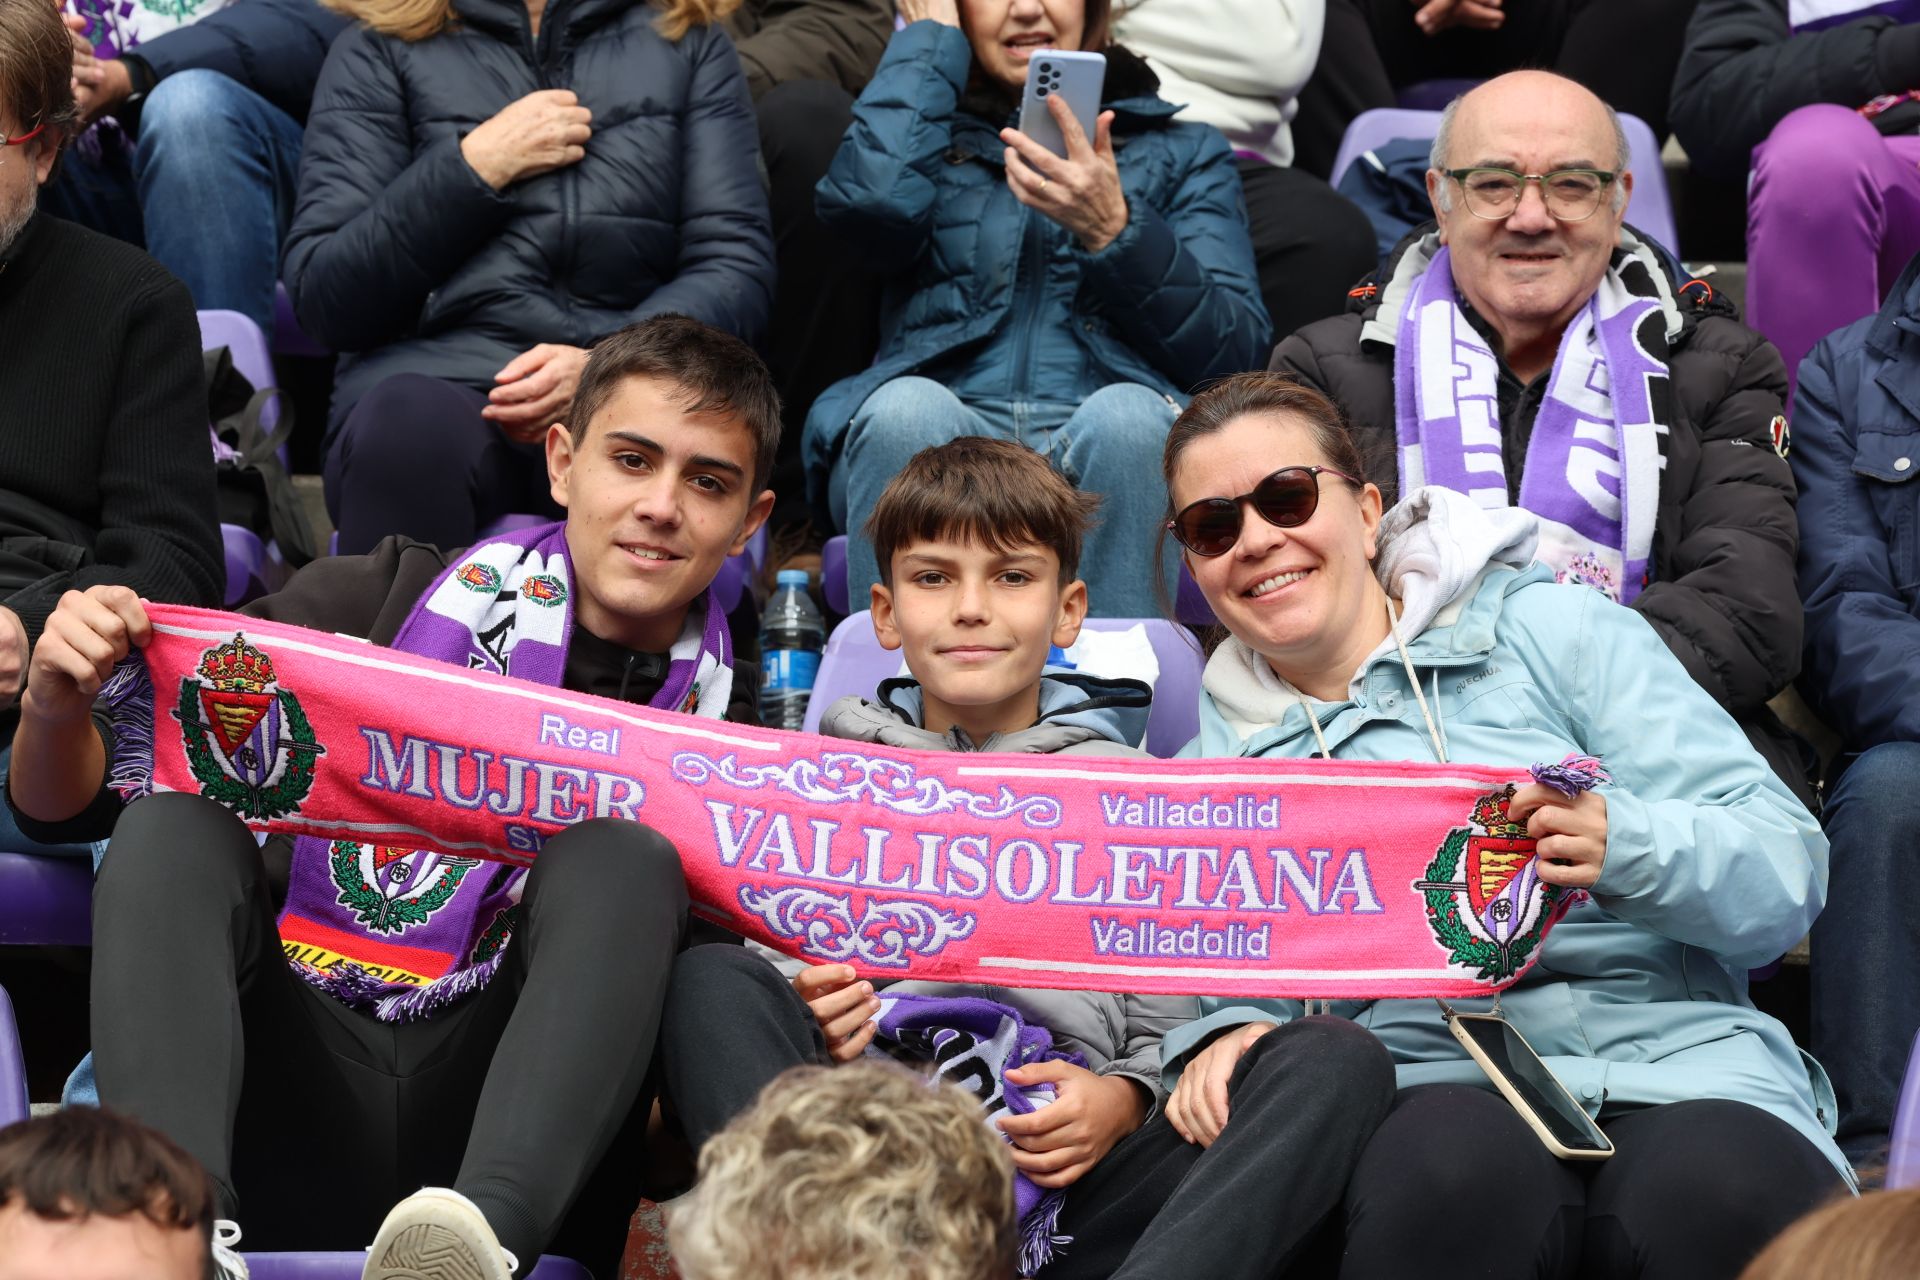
{"x": 1063, "y": 302}
{"x": 489, "y": 187}
{"x": 1856, "y": 455}
{"x": 1562, "y": 369}
{"x": 805, "y": 60}
{"x": 197, "y": 147}
{"x": 1874, "y": 1237}
{"x": 1239, "y": 65}
{"x": 863, "y": 1170}
{"x": 89, "y": 1195}
{"x": 1623, "y": 50}
{"x": 1819, "y": 99}
{"x": 106, "y": 471}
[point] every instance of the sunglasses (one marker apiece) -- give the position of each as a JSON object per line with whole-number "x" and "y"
{"x": 1287, "y": 498}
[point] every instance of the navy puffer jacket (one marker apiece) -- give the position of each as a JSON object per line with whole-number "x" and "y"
{"x": 403, "y": 258}
{"x": 920, "y": 184}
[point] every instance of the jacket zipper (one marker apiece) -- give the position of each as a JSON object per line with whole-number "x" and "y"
{"x": 569, "y": 180}
{"x": 1033, "y": 254}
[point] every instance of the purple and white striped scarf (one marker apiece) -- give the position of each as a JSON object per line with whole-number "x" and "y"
{"x": 401, "y": 933}
{"x": 1817, "y": 15}
{"x": 1592, "y": 471}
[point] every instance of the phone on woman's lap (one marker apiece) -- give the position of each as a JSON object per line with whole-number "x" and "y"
{"x": 1524, "y": 1080}
{"x": 1076, "y": 77}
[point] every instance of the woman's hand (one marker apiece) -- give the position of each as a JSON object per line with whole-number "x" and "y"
{"x": 536, "y": 390}
{"x": 1435, "y": 16}
{"x": 1198, "y": 1107}
{"x": 945, "y": 12}
{"x": 1081, "y": 191}
{"x": 1057, "y": 1144}
{"x": 543, "y": 131}
{"x": 86, "y": 635}
{"x": 1570, "y": 833}
{"x": 842, "y": 1006}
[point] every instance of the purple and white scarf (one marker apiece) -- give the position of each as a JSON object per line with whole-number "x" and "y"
{"x": 1592, "y": 471}
{"x": 1817, "y": 15}
{"x": 973, "y": 1042}
{"x": 401, "y": 933}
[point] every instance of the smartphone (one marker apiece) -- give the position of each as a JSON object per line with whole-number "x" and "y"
{"x": 1077, "y": 77}
{"x": 1542, "y": 1101}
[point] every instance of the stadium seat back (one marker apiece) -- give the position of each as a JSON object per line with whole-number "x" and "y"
{"x": 13, "y": 1067}
{"x": 45, "y": 901}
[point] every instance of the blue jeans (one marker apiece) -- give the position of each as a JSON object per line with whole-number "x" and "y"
{"x": 1866, "y": 944}
{"x": 208, "y": 190}
{"x": 1109, "y": 444}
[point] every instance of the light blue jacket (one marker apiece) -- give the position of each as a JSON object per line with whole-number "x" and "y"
{"x": 1639, "y": 996}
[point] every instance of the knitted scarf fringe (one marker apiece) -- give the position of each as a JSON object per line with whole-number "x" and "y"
{"x": 128, "y": 698}
{"x": 1037, "y": 1238}
{"x": 357, "y": 989}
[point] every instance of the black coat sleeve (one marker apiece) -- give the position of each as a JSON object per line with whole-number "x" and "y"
{"x": 1743, "y": 70}
{"x": 839, "y": 41}
{"x": 376, "y": 227}
{"x": 273, "y": 47}
{"x": 159, "y": 523}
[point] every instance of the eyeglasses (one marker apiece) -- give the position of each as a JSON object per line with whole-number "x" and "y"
{"x": 1287, "y": 498}
{"x": 1571, "y": 195}
{"x": 26, "y": 137}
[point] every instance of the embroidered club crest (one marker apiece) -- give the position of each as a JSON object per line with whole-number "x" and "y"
{"x": 1486, "y": 903}
{"x": 543, "y": 589}
{"x": 1781, "y": 437}
{"x": 390, "y": 889}
{"x": 252, "y": 749}
{"x": 475, "y": 576}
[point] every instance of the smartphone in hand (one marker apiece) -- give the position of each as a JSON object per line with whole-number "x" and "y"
{"x": 1076, "y": 77}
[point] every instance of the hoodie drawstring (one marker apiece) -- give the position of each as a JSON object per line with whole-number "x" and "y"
{"x": 1436, "y": 731}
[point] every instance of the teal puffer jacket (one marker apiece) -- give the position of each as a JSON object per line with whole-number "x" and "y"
{"x": 1639, "y": 996}
{"x": 919, "y": 183}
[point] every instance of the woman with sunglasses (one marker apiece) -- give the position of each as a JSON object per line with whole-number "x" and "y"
{"x": 1428, "y": 633}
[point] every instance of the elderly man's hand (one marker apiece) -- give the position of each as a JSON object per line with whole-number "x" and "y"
{"x": 1080, "y": 191}
{"x": 1435, "y": 16}
{"x": 536, "y": 390}
{"x": 546, "y": 130}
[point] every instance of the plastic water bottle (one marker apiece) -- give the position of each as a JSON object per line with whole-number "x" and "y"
{"x": 792, "y": 633}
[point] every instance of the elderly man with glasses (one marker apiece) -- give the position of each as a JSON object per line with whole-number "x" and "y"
{"x": 1529, "y": 348}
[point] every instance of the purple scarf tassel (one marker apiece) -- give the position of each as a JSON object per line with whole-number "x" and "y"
{"x": 1572, "y": 775}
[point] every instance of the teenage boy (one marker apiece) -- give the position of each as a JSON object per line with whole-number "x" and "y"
{"x": 490, "y": 1045}
{"x": 978, "y": 543}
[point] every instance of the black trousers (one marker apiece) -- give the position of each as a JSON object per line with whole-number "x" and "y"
{"x": 1310, "y": 243}
{"x": 1305, "y": 1100}
{"x": 1624, "y": 50}
{"x": 1455, "y": 1185}
{"x": 313, "y": 1119}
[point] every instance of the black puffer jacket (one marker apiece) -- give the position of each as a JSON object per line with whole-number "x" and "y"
{"x": 1722, "y": 591}
{"x": 1744, "y": 69}
{"x": 403, "y": 258}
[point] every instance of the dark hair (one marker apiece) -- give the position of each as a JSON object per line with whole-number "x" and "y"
{"x": 715, "y": 372}
{"x": 80, "y": 1162}
{"x": 36, "y": 70}
{"x": 993, "y": 492}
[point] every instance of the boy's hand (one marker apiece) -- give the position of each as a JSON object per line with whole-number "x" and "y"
{"x": 87, "y": 634}
{"x": 842, "y": 1005}
{"x": 1057, "y": 1144}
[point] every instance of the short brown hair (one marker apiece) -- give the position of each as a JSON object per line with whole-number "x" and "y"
{"x": 715, "y": 371}
{"x": 861, "y": 1170}
{"x": 994, "y": 492}
{"x": 1874, "y": 1237}
{"x": 36, "y": 70}
{"x": 80, "y": 1162}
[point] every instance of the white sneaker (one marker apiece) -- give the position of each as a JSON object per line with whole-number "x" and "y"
{"x": 437, "y": 1234}
{"x": 227, "y": 1264}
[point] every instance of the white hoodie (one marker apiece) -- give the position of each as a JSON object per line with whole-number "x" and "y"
{"x": 1237, "y": 65}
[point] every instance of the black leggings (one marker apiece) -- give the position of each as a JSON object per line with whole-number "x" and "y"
{"x": 314, "y": 1119}
{"x": 1454, "y": 1184}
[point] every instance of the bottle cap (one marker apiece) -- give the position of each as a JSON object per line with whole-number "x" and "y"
{"x": 791, "y": 578}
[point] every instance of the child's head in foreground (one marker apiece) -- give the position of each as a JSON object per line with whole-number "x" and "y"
{"x": 1873, "y": 1237}
{"x": 844, "y": 1173}
{"x": 978, "y": 543}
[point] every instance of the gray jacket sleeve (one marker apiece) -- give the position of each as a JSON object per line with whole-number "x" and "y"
{"x": 1148, "y": 1019}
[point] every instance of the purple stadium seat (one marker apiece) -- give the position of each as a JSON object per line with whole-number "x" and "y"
{"x": 251, "y": 358}
{"x": 1651, "y": 209}
{"x": 289, "y": 339}
{"x": 1432, "y": 95}
{"x": 854, "y": 662}
{"x": 347, "y": 1266}
{"x": 249, "y": 567}
{"x": 1903, "y": 1155}
{"x": 13, "y": 1067}
{"x": 45, "y": 902}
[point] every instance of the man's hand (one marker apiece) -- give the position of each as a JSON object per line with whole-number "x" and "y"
{"x": 100, "y": 85}
{"x": 1081, "y": 191}
{"x": 1057, "y": 1144}
{"x": 536, "y": 389}
{"x": 88, "y": 633}
{"x": 1198, "y": 1107}
{"x": 1570, "y": 833}
{"x": 946, "y": 12}
{"x": 843, "y": 1006}
{"x": 544, "y": 131}
{"x": 1435, "y": 16}
{"x": 13, "y": 655}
